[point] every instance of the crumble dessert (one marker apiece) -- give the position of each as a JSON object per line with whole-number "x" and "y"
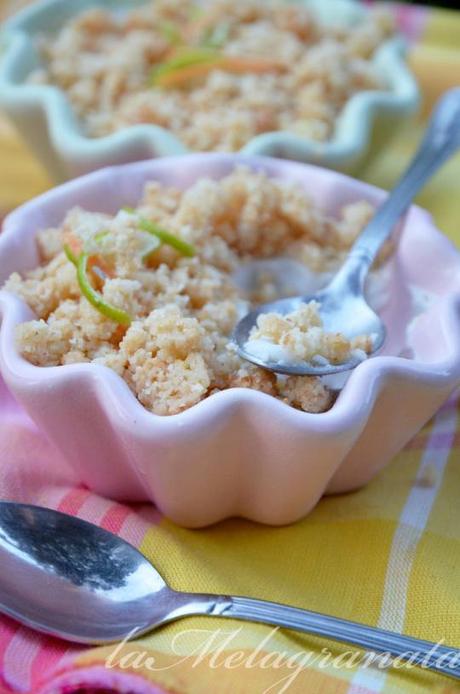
{"x": 299, "y": 336}
{"x": 215, "y": 73}
{"x": 151, "y": 292}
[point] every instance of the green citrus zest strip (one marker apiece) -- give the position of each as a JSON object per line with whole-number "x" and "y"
{"x": 156, "y": 241}
{"x": 94, "y": 297}
{"x": 215, "y": 37}
{"x": 184, "y": 59}
{"x": 165, "y": 237}
{"x": 101, "y": 235}
{"x": 195, "y": 13}
{"x": 171, "y": 33}
{"x": 70, "y": 256}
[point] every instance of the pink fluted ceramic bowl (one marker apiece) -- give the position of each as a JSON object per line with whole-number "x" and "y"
{"x": 239, "y": 452}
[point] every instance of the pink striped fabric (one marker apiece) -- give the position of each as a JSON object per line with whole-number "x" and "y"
{"x": 411, "y": 20}
{"x": 96, "y": 680}
{"x": 33, "y": 471}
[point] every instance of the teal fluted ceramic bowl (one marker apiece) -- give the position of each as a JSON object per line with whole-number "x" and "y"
{"x": 46, "y": 121}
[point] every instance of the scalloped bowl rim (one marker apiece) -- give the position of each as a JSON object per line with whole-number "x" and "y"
{"x": 350, "y": 139}
{"x": 356, "y": 398}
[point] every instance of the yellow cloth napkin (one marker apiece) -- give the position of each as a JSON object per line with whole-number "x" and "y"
{"x": 387, "y": 555}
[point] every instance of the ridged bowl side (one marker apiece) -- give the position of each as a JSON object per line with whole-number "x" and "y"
{"x": 239, "y": 452}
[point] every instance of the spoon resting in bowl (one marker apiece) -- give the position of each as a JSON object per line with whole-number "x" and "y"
{"x": 341, "y": 305}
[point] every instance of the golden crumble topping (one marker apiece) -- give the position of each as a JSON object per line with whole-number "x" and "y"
{"x": 301, "y": 337}
{"x": 151, "y": 292}
{"x": 241, "y": 67}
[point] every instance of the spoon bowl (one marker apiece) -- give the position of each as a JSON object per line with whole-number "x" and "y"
{"x": 343, "y": 308}
{"x": 71, "y": 579}
{"x": 347, "y": 313}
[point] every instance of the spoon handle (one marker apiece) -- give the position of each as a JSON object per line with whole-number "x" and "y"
{"x": 423, "y": 653}
{"x": 441, "y": 140}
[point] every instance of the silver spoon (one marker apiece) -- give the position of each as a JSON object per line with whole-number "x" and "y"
{"x": 71, "y": 579}
{"x": 343, "y": 307}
